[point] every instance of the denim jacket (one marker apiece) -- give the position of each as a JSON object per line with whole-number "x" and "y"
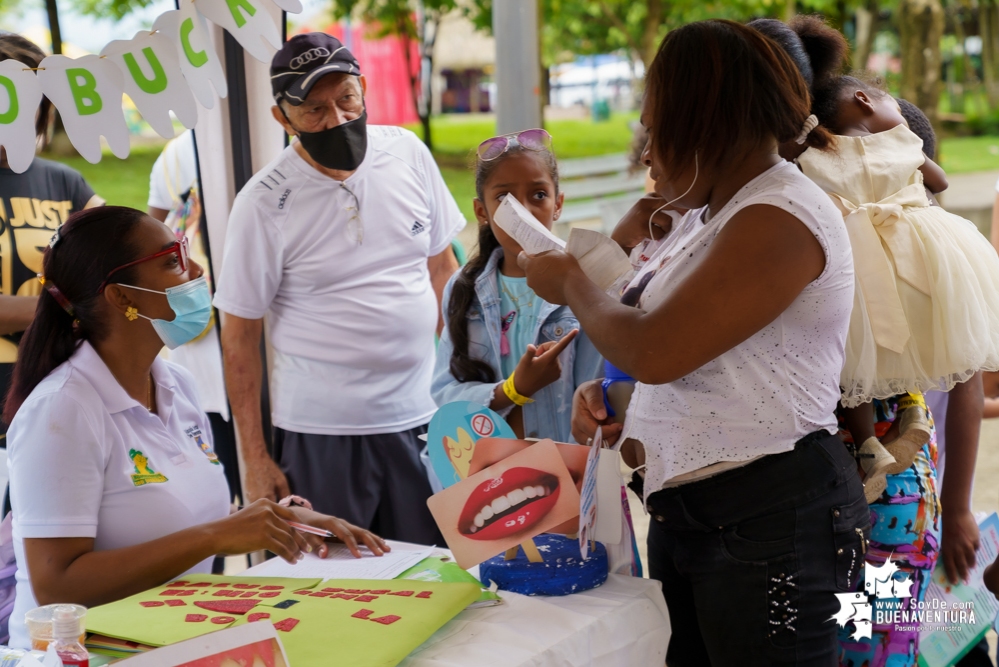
{"x": 548, "y": 416}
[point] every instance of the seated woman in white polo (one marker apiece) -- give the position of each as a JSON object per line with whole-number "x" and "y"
{"x": 114, "y": 484}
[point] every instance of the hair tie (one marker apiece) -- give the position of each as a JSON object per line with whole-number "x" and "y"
{"x": 57, "y": 295}
{"x": 810, "y": 124}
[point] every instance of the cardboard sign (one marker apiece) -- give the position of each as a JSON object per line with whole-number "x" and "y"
{"x": 452, "y": 436}
{"x": 256, "y": 644}
{"x": 505, "y": 504}
{"x": 350, "y": 623}
{"x": 198, "y": 60}
{"x": 87, "y": 91}
{"x": 20, "y": 94}
{"x": 153, "y": 80}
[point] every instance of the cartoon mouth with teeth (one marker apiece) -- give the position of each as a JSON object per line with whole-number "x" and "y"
{"x": 506, "y": 505}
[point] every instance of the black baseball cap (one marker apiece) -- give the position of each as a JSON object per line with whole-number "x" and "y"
{"x": 303, "y": 60}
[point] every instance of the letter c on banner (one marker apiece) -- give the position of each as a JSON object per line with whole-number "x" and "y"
{"x": 199, "y": 62}
{"x": 20, "y": 94}
{"x": 196, "y": 58}
{"x": 83, "y": 86}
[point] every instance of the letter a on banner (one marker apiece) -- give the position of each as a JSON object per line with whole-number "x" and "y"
{"x": 249, "y": 21}
{"x": 199, "y": 62}
{"x": 87, "y": 91}
{"x": 153, "y": 80}
{"x": 20, "y": 94}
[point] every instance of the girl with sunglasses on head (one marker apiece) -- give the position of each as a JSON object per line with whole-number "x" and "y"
{"x": 113, "y": 480}
{"x": 503, "y": 346}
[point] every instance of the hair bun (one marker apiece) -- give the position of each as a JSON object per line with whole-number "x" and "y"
{"x": 827, "y": 48}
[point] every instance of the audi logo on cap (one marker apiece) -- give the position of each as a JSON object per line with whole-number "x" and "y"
{"x": 310, "y": 55}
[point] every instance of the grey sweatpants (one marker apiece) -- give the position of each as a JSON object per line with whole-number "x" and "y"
{"x": 373, "y": 481}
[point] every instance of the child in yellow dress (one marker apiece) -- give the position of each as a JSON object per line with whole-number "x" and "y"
{"x": 926, "y": 307}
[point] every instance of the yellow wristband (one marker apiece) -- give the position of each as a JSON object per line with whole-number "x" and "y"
{"x": 511, "y": 393}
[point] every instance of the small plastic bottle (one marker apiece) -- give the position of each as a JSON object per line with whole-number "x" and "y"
{"x": 66, "y": 631}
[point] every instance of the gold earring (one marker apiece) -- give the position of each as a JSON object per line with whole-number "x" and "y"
{"x": 131, "y": 313}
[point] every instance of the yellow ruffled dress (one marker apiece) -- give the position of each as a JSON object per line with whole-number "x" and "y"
{"x": 926, "y": 305}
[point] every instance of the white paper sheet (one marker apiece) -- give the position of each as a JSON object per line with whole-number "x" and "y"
{"x": 525, "y": 229}
{"x": 341, "y": 564}
{"x": 600, "y": 258}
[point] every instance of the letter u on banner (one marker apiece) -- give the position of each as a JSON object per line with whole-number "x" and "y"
{"x": 152, "y": 76}
{"x": 247, "y": 21}
{"x": 87, "y": 91}
{"x": 199, "y": 62}
{"x": 20, "y": 94}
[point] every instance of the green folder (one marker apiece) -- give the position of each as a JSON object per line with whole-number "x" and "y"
{"x": 436, "y": 568}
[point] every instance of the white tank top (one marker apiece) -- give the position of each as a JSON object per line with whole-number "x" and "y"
{"x": 782, "y": 383}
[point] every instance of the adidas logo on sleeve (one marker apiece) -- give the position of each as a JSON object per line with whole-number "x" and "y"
{"x": 418, "y": 228}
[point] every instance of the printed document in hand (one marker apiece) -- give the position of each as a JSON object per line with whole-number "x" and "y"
{"x": 601, "y": 259}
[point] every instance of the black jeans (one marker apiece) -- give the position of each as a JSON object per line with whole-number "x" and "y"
{"x": 750, "y": 559}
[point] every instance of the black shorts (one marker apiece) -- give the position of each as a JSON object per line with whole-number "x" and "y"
{"x": 373, "y": 481}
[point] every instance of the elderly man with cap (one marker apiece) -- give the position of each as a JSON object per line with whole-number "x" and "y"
{"x": 343, "y": 241}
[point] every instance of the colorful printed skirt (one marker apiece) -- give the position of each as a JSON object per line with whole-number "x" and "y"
{"x": 905, "y": 526}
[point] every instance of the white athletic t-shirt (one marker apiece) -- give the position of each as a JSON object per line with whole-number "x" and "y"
{"x": 352, "y": 324}
{"x": 772, "y": 389}
{"x": 87, "y": 460}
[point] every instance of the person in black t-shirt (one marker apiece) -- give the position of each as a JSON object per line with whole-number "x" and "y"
{"x": 32, "y": 205}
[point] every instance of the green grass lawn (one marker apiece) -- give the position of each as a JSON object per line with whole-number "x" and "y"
{"x": 120, "y": 182}
{"x": 126, "y": 182}
{"x": 966, "y": 154}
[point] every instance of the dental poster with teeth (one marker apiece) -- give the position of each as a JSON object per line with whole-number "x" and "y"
{"x": 505, "y": 504}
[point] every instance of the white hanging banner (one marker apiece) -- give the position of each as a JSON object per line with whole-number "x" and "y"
{"x": 249, "y": 21}
{"x": 20, "y": 95}
{"x": 199, "y": 62}
{"x": 87, "y": 91}
{"x": 151, "y": 70}
{"x": 290, "y": 6}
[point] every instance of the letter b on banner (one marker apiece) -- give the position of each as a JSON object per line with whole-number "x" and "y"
{"x": 87, "y": 91}
{"x": 83, "y": 86}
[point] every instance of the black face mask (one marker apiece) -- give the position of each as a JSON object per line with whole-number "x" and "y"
{"x": 342, "y": 147}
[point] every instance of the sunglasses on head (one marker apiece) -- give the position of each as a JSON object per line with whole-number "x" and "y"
{"x": 180, "y": 248}
{"x": 534, "y": 140}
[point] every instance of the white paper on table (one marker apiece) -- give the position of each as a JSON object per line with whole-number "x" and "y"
{"x": 600, "y": 258}
{"x": 341, "y": 564}
{"x": 212, "y": 644}
{"x": 525, "y": 229}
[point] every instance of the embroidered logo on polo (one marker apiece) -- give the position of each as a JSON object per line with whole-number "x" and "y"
{"x": 195, "y": 434}
{"x": 144, "y": 473}
{"x": 418, "y": 228}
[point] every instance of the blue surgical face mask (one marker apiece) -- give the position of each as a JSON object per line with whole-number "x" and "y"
{"x": 192, "y": 307}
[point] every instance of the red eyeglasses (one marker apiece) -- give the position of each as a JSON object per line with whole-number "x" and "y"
{"x": 180, "y": 248}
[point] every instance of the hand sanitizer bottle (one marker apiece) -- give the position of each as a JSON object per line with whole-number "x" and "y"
{"x": 66, "y": 631}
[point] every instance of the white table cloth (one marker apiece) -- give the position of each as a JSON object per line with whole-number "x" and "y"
{"x": 622, "y": 623}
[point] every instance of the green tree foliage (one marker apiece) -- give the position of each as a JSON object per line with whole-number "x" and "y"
{"x": 412, "y": 21}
